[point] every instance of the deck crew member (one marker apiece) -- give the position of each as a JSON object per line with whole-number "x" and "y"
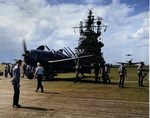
{"x": 78, "y": 70}
{"x": 122, "y": 74}
{"x": 16, "y": 83}
{"x": 96, "y": 72}
{"x": 106, "y": 73}
{"x": 141, "y": 74}
{"x": 39, "y": 75}
{"x": 24, "y": 70}
{"x": 6, "y": 70}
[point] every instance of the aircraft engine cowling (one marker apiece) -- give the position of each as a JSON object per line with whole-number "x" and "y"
{"x": 26, "y": 56}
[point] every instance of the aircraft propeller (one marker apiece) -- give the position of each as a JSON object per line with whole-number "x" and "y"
{"x": 26, "y": 52}
{"x": 24, "y": 46}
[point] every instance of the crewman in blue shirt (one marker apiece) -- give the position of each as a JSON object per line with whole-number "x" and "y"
{"x": 39, "y": 75}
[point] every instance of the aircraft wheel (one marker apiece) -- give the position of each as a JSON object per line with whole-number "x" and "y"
{"x": 30, "y": 75}
{"x": 1, "y": 73}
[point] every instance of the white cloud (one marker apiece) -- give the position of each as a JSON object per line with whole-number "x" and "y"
{"x": 138, "y": 33}
{"x": 52, "y": 25}
{"x": 140, "y": 26}
{"x": 93, "y": 1}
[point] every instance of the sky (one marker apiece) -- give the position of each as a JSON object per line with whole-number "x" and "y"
{"x": 51, "y": 22}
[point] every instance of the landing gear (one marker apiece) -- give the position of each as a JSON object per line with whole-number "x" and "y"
{"x": 49, "y": 75}
{"x": 30, "y": 75}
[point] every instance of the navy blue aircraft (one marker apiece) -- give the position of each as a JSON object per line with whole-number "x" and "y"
{"x": 55, "y": 61}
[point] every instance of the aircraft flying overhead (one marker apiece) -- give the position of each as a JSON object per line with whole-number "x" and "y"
{"x": 54, "y": 61}
{"x": 128, "y": 54}
{"x": 129, "y": 63}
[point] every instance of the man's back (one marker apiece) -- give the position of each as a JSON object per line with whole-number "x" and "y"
{"x": 39, "y": 70}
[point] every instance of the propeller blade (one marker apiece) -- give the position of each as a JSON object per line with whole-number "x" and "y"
{"x": 26, "y": 52}
{"x": 24, "y": 46}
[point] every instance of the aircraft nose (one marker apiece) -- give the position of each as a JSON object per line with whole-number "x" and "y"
{"x": 26, "y": 56}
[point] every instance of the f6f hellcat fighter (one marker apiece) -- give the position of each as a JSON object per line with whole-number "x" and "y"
{"x": 54, "y": 61}
{"x": 129, "y": 63}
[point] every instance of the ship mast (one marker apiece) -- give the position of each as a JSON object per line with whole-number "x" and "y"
{"x": 89, "y": 40}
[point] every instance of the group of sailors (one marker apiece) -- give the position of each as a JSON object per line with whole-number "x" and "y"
{"x": 141, "y": 74}
{"x": 97, "y": 71}
{"x": 27, "y": 69}
{"x": 106, "y": 71}
{"x": 9, "y": 70}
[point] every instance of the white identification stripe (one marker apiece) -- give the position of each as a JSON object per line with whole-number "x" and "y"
{"x": 60, "y": 60}
{"x": 68, "y": 59}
